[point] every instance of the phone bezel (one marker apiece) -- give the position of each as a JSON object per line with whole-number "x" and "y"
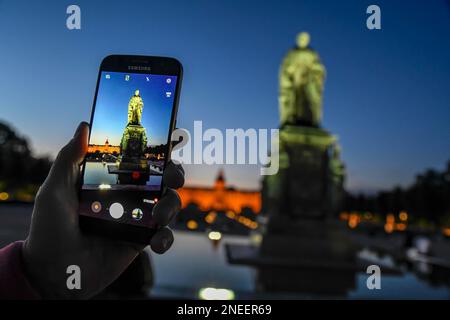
{"x": 150, "y": 65}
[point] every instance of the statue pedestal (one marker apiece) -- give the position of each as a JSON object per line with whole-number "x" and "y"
{"x": 306, "y": 185}
{"x": 301, "y": 201}
{"x": 133, "y": 167}
{"x": 302, "y": 248}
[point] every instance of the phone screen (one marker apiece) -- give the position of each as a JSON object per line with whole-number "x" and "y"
{"x": 128, "y": 147}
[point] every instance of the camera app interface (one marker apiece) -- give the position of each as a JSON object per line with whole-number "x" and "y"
{"x": 127, "y": 147}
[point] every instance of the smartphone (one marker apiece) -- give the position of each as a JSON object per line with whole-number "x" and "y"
{"x": 133, "y": 116}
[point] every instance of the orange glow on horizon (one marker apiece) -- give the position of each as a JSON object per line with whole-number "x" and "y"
{"x": 220, "y": 198}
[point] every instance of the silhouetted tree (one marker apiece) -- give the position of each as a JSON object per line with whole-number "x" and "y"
{"x": 17, "y": 164}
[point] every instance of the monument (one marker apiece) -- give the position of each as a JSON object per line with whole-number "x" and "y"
{"x": 303, "y": 247}
{"x": 133, "y": 167}
{"x": 311, "y": 176}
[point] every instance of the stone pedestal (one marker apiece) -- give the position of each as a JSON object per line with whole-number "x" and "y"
{"x": 303, "y": 248}
{"x": 133, "y": 167}
{"x": 301, "y": 202}
{"x": 309, "y": 183}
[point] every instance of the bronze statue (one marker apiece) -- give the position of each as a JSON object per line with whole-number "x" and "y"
{"x": 301, "y": 84}
{"x": 135, "y": 107}
{"x": 134, "y": 138}
{"x": 133, "y": 167}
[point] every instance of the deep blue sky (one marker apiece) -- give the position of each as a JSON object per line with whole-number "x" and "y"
{"x": 387, "y": 92}
{"x": 111, "y": 111}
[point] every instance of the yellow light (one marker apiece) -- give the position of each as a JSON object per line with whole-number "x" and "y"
{"x": 214, "y": 235}
{"x": 403, "y": 216}
{"x": 230, "y": 214}
{"x": 192, "y": 224}
{"x": 215, "y": 294}
{"x": 211, "y": 217}
{"x": 446, "y": 231}
{"x": 253, "y": 225}
{"x": 104, "y": 186}
{"x": 4, "y": 196}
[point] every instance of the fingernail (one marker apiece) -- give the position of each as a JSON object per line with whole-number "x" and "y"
{"x": 78, "y": 131}
{"x": 80, "y": 128}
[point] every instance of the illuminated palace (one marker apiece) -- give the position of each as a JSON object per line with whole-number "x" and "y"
{"x": 105, "y": 148}
{"x": 220, "y": 197}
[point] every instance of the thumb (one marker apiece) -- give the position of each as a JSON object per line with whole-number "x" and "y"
{"x": 66, "y": 168}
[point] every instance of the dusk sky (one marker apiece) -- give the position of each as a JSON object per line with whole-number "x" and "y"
{"x": 387, "y": 92}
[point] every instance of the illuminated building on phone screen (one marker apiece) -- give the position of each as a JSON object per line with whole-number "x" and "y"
{"x": 105, "y": 148}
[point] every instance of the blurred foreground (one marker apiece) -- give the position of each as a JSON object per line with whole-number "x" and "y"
{"x": 197, "y": 265}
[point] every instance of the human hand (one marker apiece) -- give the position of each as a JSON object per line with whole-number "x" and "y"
{"x": 55, "y": 240}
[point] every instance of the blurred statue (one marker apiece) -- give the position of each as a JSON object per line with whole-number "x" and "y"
{"x": 135, "y": 107}
{"x": 301, "y": 85}
{"x": 309, "y": 183}
{"x": 301, "y": 202}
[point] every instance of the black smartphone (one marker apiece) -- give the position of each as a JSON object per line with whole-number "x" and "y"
{"x": 132, "y": 119}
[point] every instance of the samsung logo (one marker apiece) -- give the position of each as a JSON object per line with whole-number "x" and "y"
{"x": 139, "y": 68}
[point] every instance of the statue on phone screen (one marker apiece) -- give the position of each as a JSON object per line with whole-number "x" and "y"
{"x": 135, "y": 107}
{"x": 133, "y": 166}
{"x": 301, "y": 85}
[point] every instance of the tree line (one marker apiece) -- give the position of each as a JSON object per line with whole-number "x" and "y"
{"x": 18, "y": 166}
{"x": 427, "y": 198}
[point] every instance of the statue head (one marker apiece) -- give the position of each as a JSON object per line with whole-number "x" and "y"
{"x": 303, "y": 40}
{"x": 136, "y": 93}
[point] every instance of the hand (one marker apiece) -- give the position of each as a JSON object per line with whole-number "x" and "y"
{"x": 55, "y": 240}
